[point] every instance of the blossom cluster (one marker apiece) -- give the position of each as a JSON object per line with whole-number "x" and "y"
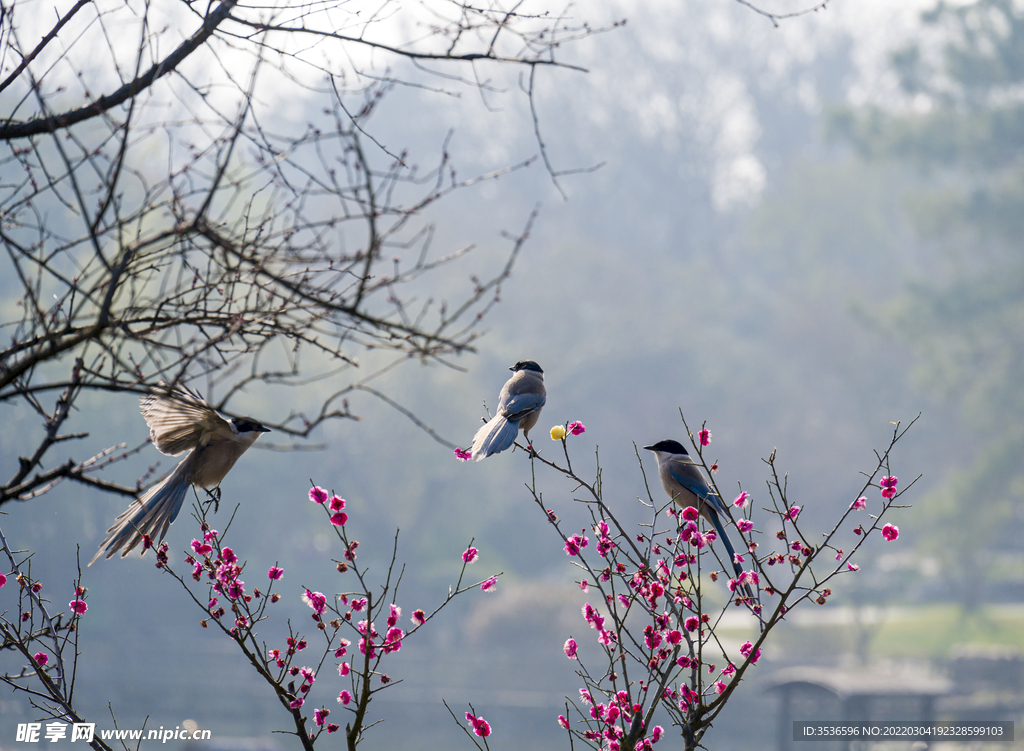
{"x": 221, "y": 568}
{"x": 336, "y": 505}
{"x": 558, "y": 432}
{"x": 611, "y": 718}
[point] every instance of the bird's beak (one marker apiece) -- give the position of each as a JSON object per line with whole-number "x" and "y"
{"x": 264, "y": 430}
{"x": 513, "y": 367}
{"x": 649, "y": 448}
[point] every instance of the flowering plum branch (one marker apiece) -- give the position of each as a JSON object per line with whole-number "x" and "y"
{"x": 656, "y": 619}
{"x": 343, "y": 619}
{"x": 44, "y": 646}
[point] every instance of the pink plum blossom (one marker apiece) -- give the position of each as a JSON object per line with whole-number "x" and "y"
{"x": 890, "y": 532}
{"x": 652, "y": 637}
{"x": 690, "y": 513}
{"x": 888, "y": 485}
{"x": 489, "y": 585}
{"x": 741, "y": 500}
{"x": 853, "y": 567}
{"x": 317, "y": 495}
{"x": 275, "y": 573}
{"x": 859, "y": 503}
{"x": 315, "y": 600}
{"x": 78, "y": 606}
{"x": 480, "y": 726}
{"x": 463, "y": 454}
{"x": 393, "y": 640}
{"x": 704, "y": 436}
{"x": 744, "y": 525}
{"x": 595, "y": 619}
{"x": 41, "y": 657}
{"x": 394, "y": 614}
{"x": 472, "y": 555}
{"x": 577, "y": 428}
{"x": 575, "y": 544}
{"x": 570, "y": 648}
{"x": 794, "y": 512}
{"x": 418, "y": 617}
{"x": 746, "y": 648}
{"x": 344, "y": 698}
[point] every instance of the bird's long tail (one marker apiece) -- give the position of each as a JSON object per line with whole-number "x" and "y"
{"x": 732, "y": 552}
{"x": 151, "y": 513}
{"x": 497, "y": 435}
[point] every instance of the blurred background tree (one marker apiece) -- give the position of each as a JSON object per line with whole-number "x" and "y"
{"x": 959, "y": 154}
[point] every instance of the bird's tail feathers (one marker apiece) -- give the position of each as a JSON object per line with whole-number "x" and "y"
{"x": 731, "y": 551}
{"x": 497, "y": 435}
{"x": 151, "y": 513}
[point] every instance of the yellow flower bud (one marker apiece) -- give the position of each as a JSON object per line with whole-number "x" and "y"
{"x": 557, "y": 433}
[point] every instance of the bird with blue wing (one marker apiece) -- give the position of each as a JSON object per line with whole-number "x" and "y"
{"x": 180, "y": 420}
{"x": 519, "y": 405}
{"x": 684, "y": 483}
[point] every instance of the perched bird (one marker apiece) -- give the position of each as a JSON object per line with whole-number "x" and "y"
{"x": 684, "y": 483}
{"x": 519, "y": 405}
{"x": 180, "y": 420}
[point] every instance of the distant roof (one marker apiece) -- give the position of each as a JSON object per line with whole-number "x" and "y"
{"x": 844, "y": 682}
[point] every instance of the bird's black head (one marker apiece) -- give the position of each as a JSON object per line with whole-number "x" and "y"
{"x": 526, "y": 365}
{"x": 248, "y": 425}
{"x": 668, "y": 446}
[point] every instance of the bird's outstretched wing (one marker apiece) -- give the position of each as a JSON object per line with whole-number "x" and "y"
{"x": 178, "y": 418}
